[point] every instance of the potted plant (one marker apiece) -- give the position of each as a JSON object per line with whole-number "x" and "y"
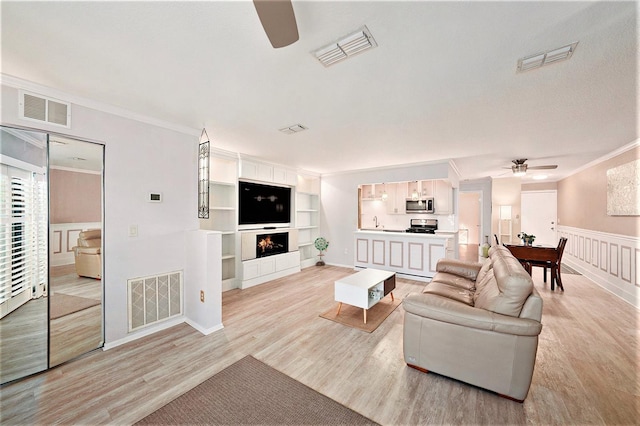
{"x": 527, "y": 239}
{"x": 321, "y": 244}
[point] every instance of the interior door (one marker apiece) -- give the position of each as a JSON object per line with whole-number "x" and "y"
{"x": 539, "y": 211}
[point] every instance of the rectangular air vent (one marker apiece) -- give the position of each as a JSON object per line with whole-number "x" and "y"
{"x": 154, "y": 299}
{"x": 40, "y": 108}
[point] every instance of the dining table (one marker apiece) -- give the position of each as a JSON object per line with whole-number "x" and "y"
{"x": 538, "y": 255}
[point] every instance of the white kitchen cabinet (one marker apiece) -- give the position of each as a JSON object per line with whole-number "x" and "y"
{"x": 396, "y": 198}
{"x": 443, "y": 197}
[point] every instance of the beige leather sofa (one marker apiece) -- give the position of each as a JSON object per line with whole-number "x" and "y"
{"x": 88, "y": 254}
{"x": 477, "y": 323}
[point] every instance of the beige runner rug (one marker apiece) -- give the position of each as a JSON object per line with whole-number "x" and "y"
{"x": 353, "y": 317}
{"x": 64, "y": 304}
{"x": 250, "y": 392}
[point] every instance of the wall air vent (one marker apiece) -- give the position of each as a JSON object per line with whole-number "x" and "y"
{"x": 40, "y": 108}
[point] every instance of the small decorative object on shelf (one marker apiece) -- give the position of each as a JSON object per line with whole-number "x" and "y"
{"x": 527, "y": 239}
{"x": 321, "y": 244}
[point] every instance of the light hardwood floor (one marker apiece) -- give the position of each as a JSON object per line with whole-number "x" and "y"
{"x": 586, "y": 370}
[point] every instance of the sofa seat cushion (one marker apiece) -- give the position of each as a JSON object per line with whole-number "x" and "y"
{"x": 454, "y": 280}
{"x": 451, "y": 291}
{"x": 443, "y": 309}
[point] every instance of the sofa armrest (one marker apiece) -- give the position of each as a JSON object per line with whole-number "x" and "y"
{"x": 450, "y": 311}
{"x": 460, "y": 268}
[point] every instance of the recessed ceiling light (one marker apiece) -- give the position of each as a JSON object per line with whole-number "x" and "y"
{"x": 545, "y": 58}
{"x": 346, "y": 47}
{"x": 295, "y": 128}
{"x": 539, "y": 177}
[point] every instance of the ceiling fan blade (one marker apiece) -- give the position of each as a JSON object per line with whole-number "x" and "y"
{"x": 278, "y": 21}
{"x": 548, "y": 167}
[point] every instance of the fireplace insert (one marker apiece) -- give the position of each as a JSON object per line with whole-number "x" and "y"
{"x": 272, "y": 244}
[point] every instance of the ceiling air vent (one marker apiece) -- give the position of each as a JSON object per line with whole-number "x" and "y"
{"x": 346, "y": 47}
{"x": 40, "y": 108}
{"x": 545, "y": 58}
{"x": 296, "y": 128}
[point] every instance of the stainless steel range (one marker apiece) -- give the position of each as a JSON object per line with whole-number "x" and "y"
{"x": 423, "y": 226}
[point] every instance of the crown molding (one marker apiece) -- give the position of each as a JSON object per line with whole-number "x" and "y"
{"x": 604, "y": 158}
{"x": 18, "y": 83}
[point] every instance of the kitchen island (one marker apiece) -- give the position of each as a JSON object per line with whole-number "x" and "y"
{"x": 412, "y": 255}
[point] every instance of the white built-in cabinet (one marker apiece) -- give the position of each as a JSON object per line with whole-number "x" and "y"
{"x": 225, "y": 170}
{"x": 269, "y": 173}
{"x": 308, "y": 218}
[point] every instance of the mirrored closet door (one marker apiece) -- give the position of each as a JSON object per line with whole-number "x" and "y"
{"x": 51, "y": 287}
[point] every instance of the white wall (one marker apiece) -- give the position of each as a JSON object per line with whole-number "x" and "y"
{"x": 139, "y": 158}
{"x": 339, "y": 203}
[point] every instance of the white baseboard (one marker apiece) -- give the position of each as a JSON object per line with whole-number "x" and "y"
{"x": 145, "y": 332}
{"x": 202, "y": 330}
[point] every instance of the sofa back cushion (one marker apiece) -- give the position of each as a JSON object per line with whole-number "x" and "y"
{"x": 505, "y": 287}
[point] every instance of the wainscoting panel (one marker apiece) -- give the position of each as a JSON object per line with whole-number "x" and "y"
{"x": 378, "y": 252}
{"x": 396, "y": 254}
{"x": 63, "y": 237}
{"x": 610, "y": 260}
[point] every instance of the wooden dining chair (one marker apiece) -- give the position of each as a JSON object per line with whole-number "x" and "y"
{"x": 554, "y": 265}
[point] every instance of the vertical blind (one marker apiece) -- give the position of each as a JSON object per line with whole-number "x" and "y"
{"x": 23, "y": 238}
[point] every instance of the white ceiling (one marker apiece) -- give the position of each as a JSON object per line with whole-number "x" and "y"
{"x": 442, "y": 83}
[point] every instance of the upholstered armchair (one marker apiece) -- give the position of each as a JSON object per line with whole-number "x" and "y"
{"x": 88, "y": 254}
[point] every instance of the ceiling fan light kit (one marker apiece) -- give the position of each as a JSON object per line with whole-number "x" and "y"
{"x": 346, "y": 47}
{"x": 520, "y": 167}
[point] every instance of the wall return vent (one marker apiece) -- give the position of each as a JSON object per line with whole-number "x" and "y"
{"x": 40, "y": 108}
{"x": 154, "y": 299}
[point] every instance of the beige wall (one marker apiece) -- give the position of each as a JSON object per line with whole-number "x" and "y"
{"x": 75, "y": 197}
{"x": 540, "y": 186}
{"x": 582, "y": 199}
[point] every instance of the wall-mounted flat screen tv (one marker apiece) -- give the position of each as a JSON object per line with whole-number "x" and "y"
{"x": 264, "y": 205}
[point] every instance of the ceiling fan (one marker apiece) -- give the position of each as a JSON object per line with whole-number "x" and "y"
{"x": 520, "y": 167}
{"x": 278, "y": 21}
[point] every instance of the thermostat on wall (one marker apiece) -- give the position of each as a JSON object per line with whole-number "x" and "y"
{"x": 155, "y": 197}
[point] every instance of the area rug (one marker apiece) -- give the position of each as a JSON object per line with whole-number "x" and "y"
{"x": 63, "y": 304}
{"x": 353, "y": 317}
{"x": 250, "y": 392}
{"x": 564, "y": 269}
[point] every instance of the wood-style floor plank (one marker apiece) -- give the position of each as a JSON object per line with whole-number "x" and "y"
{"x": 586, "y": 370}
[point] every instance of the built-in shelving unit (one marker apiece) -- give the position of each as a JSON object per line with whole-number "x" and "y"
{"x": 308, "y": 218}
{"x": 223, "y": 214}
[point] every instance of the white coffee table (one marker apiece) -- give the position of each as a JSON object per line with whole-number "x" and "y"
{"x": 355, "y": 289}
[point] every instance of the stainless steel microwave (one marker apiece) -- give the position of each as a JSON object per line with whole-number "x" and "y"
{"x": 423, "y": 205}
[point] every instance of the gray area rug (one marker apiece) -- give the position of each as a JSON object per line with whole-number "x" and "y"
{"x": 564, "y": 269}
{"x": 250, "y": 392}
{"x": 64, "y": 304}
